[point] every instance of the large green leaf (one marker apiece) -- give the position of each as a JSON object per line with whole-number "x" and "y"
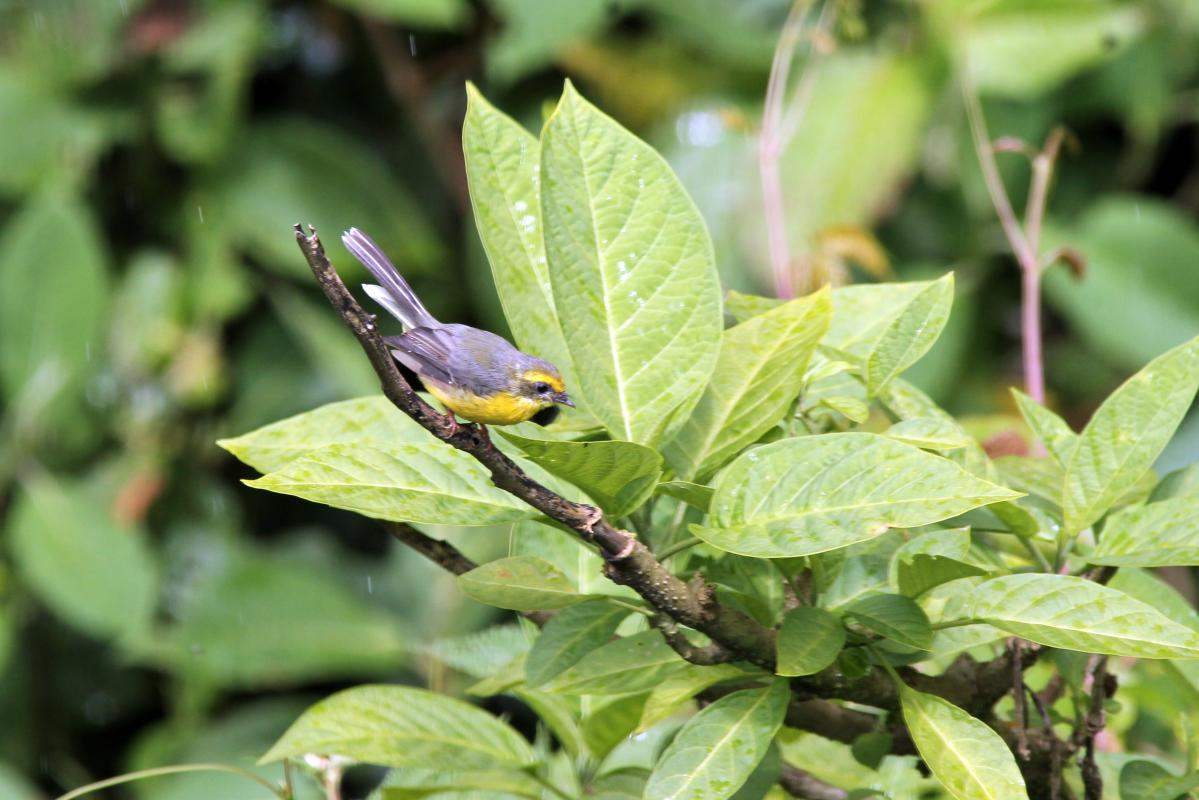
{"x": 670, "y": 693}
{"x": 632, "y": 271}
{"x": 1160, "y": 534}
{"x": 52, "y": 270}
{"x": 569, "y": 636}
{"x": 521, "y": 583}
{"x": 1140, "y": 251}
{"x": 718, "y": 748}
{"x": 757, "y": 378}
{"x": 969, "y": 758}
{"x": 1076, "y": 614}
{"x": 1142, "y": 779}
{"x": 894, "y": 617}
{"x": 1049, "y": 428}
{"x": 928, "y": 433}
{"x": 413, "y": 783}
{"x": 635, "y": 663}
{"x": 502, "y": 165}
{"x": 619, "y": 476}
{"x": 1127, "y": 433}
{"x": 400, "y": 726}
{"x": 811, "y": 494}
{"x": 808, "y": 641}
{"x": 371, "y": 421}
{"x": 910, "y": 335}
{"x": 430, "y": 483}
{"x": 294, "y": 623}
{"x": 90, "y": 569}
{"x": 1067, "y": 37}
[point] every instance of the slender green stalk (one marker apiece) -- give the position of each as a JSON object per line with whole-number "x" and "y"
{"x": 1036, "y": 554}
{"x": 630, "y": 606}
{"x": 172, "y": 770}
{"x": 953, "y": 623}
{"x": 556, "y": 791}
{"x": 679, "y": 547}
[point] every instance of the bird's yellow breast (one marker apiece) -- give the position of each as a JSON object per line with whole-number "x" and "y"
{"x": 502, "y": 408}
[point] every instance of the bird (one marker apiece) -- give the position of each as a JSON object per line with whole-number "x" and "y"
{"x": 477, "y": 375}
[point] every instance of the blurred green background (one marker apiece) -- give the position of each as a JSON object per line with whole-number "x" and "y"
{"x": 154, "y": 154}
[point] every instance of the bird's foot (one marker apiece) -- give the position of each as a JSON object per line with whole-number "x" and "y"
{"x": 451, "y": 423}
{"x": 486, "y": 434}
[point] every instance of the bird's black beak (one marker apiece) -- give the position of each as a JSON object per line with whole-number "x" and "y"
{"x": 563, "y": 398}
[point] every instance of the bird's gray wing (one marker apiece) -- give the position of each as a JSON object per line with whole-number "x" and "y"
{"x": 425, "y": 351}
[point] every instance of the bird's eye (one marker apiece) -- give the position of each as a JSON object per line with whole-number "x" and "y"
{"x": 541, "y": 387}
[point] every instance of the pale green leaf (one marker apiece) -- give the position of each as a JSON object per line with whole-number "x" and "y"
{"x": 669, "y": 694}
{"x": 619, "y": 476}
{"x": 1067, "y": 37}
{"x": 520, "y": 583}
{"x": 894, "y": 617}
{"x": 1149, "y": 587}
{"x": 478, "y": 652}
{"x": 1161, "y": 534}
{"x": 808, "y": 641}
{"x": 910, "y": 335}
{"x": 51, "y": 308}
{"x": 1076, "y": 614}
{"x": 921, "y": 572}
{"x": 435, "y": 14}
{"x": 928, "y": 433}
{"x": 291, "y": 623}
{"x": 811, "y": 494}
{"x": 758, "y": 375}
{"x": 415, "y": 783}
{"x": 569, "y": 636}
{"x": 1127, "y": 433}
{"x": 632, "y": 272}
{"x": 400, "y": 726}
{"x": 1142, "y": 779}
{"x": 693, "y": 494}
{"x": 372, "y": 421}
{"x": 1049, "y": 428}
{"x": 718, "y": 748}
{"x": 431, "y": 483}
{"x": 93, "y": 571}
{"x": 635, "y": 663}
{"x": 965, "y": 755}
{"x": 502, "y": 165}
{"x": 610, "y": 721}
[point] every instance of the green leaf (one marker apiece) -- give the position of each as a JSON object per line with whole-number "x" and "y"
{"x": 895, "y": 617}
{"x": 693, "y": 494}
{"x": 928, "y": 433}
{"x": 14, "y": 786}
{"x": 1069, "y": 37}
{"x": 610, "y": 721}
{"x": 811, "y": 494}
{"x": 478, "y": 652}
{"x": 400, "y": 726}
{"x": 414, "y": 783}
{"x": 534, "y": 31}
{"x": 1139, "y": 252}
{"x": 1049, "y": 428}
{"x": 632, "y": 271}
{"x": 1161, "y": 534}
{"x": 718, "y": 748}
{"x": 520, "y": 583}
{"x": 808, "y": 641}
{"x": 264, "y": 187}
{"x": 293, "y": 623}
{"x": 1127, "y": 433}
{"x": 870, "y": 749}
{"x": 93, "y": 571}
{"x": 917, "y": 574}
{"x": 1142, "y": 779}
{"x": 431, "y": 483}
{"x": 635, "y": 663}
{"x": 569, "y": 636}
{"x": 434, "y": 14}
{"x": 1076, "y": 614}
{"x": 969, "y": 758}
{"x": 502, "y": 165}
{"x": 371, "y": 421}
{"x": 758, "y": 375}
{"x": 910, "y": 335}
{"x": 52, "y": 270}
{"x": 619, "y": 476}
{"x": 678, "y": 687}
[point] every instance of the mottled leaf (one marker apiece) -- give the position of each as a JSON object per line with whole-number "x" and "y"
{"x": 520, "y": 583}
{"x": 894, "y": 617}
{"x": 910, "y": 335}
{"x": 1049, "y": 428}
{"x": 808, "y": 641}
{"x": 635, "y": 663}
{"x": 1160, "y": 534}
{"x": 569, "y": 636}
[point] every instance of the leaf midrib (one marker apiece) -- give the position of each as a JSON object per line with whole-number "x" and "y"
{"x": 719, "y": 744}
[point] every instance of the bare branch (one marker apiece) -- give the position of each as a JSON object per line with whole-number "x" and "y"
{"x": 799, "y": 783}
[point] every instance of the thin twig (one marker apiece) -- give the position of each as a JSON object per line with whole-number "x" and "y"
{"x": 799, "y": 783}
{"x": 1091, "y": 725}
{"x": 1018, "y": 696}
{"x": 704, "y": 656}
{"x": 771, "y": 139}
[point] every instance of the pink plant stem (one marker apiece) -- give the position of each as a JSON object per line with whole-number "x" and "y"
{"x": 1021, "y": 244}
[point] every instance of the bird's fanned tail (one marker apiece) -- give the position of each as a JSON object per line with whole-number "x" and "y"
{"x": 393, "y": 292}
